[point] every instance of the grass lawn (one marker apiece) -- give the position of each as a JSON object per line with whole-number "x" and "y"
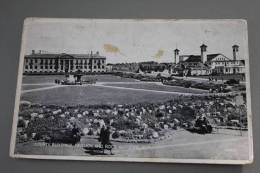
{"x": 50, "y": 78}
{"x": 152, "y": 86}
{"x": 91, "y": 95}
{"x": 28, "y": 87}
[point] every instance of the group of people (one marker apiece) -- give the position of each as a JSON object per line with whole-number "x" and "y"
{"x": 202, "y": 125}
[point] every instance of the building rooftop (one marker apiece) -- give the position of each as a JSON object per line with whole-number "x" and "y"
{"x": 64, "y": 55}
{"x": 197, "y": 58}
{"x": 193, "y": 58}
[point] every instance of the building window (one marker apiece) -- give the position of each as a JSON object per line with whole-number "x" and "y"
{"x": 26, "y": 67}
{"x": 95, "y": 67}
{"x": 103, "y": 66}
{"x": 41, "y": 67}
{"x": 35, "y": 60}
{"x": 35, "y": 67}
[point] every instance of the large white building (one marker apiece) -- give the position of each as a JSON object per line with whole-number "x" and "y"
{"x": 207, "y": 64}
{"x": 64, "y": 63}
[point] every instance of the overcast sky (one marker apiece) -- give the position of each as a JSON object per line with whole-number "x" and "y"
{"x": 135, "y": 40}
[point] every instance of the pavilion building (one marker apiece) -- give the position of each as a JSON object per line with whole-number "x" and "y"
{"x": 208, "y": 64}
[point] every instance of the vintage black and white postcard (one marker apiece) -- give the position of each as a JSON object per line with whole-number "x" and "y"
{"x": 134, "y": 90}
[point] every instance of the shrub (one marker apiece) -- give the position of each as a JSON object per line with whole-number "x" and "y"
{"x": 232, "y": 81}
{"x": 115, "y": 135}
{"x": 90, "y": 132}
{"x": 21, "y": 123}
{"x": 187, "y": 84}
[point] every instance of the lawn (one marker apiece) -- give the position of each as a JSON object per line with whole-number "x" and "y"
{"x": 91, "y": 95}
{"x": 28, "y": 87}
{"x": 153, "y": 86}
{"x": 30, "y": 79}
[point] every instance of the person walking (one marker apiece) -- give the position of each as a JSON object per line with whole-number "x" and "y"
{"x": 75, "y": 134}
{"x": 105, "y": 138}
{"x": 102, "y": 134}
{"x": 102, "y": 138}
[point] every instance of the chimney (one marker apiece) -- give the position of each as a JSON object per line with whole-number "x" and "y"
{"x": 235, "y": 51}
{"x": 203, "y": 51}
{"x": 33, "y": 52}
{"x": 176, "y": 56}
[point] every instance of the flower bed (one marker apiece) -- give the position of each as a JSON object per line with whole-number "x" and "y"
{"x": 129, "y": 122}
